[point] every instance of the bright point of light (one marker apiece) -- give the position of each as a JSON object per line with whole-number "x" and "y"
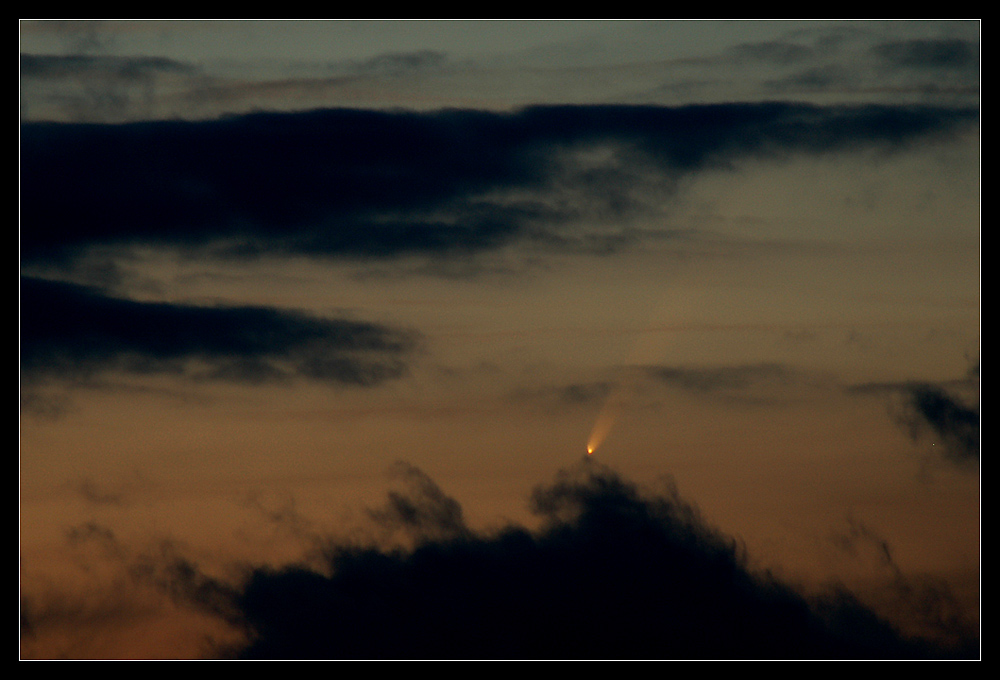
{"x": 590, "y": 450}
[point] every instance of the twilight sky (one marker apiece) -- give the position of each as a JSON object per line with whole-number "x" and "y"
{"x": 319, "y": 319}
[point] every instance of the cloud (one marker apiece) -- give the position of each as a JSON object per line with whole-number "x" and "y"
{"x": 99, "y": 87}
{"x": 953, "y": 423}
{"x": 422, "y": 511}
{"x": 948, "y": 413}
{"x": 73, "y": 331}
{"x": 924, "y": 605}
{"x": 85, "y": 66}
{"x": 724, "y": 379}
{"x": 782, "y": 52}
{"x": 401, "y": 63}
{"x": 121, "y": 603}
{"x": 378, "y": 184}
{"x": 746, "y": 383}
{"x": 614, "y": 572}
{"x": 863, "y": 61}
{"x": 950, "y": 54}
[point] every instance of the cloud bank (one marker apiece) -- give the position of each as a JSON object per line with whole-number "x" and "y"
{"x": 76, "y": 332}
{"x": 614, "y": 572}
{"x": 357, "y": 183}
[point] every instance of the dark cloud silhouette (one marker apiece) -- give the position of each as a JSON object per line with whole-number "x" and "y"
{"x": 955, "y": 424}
{"x": 947, "y": 413}
{"x": 923, "y": 604}
{"x": 422, "y": 511}
{"x": 75, "y": 331}
{"x": 612, "y": 573}
{"x": 382, "y": 183}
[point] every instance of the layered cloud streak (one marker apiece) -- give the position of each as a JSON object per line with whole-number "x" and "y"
{"x": 74, "y": 331}
{"x": 374, "y": 184}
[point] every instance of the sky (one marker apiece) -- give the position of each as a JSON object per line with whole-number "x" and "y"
{"x": 495, "y": 339}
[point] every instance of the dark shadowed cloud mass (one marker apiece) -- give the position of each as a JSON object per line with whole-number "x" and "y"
{"x": 71, "y": 330}
{"x": 955, "y": 423}
{"x": 613, "y": 572}
{"x": 377, "y": 183}
{"x": 946, "y": 414}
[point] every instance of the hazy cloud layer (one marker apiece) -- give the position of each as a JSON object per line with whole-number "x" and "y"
{"x": 950, "y": 54}
{"x": 216, "y": 68}
{"x": 376, "y": 184}
{"x": 725, "y": 379}
{"x": 746, "y": 383}
{"x": 74, "y": 331}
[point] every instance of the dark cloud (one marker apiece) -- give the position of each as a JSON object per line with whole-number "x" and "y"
{"x": 421, "y": 510}
{"x": 74, "y": 331}
{"x": 924, "y": 605}
{"x": 376, "y": 184}
{"x": 948, "y": 413}
{"x": 952, "y": 422}
{"x": 613, "y": 573}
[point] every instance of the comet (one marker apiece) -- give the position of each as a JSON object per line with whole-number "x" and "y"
{"x": 648, "y": 347}
{"x": 606, "y": 418}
